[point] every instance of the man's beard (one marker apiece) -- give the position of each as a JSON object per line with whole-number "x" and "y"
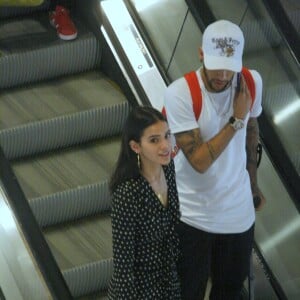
{"x": 211, "y": 86}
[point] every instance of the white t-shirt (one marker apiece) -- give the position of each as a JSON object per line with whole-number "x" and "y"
{"x": 219, "y": 200}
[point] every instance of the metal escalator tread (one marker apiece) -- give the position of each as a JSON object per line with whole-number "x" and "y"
{"x": 98, "y": 296}
{"x": 61, "y": 134}
{"x": 57, "y": 97}
{"x": 10, "y": 11}
{"x": 83, "y": 252}
{"x": 70, "y": 183}
{"x": 60, "y": 113}
{"x": 31, "y": 43}
{"x": 80, "y": 242}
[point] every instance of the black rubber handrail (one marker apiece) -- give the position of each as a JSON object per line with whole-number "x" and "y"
{"x": 201, "y": 13}
{"x": 269, "y": 274}
{"x": 32, "y": 233}
{"x": 280, "y": 158}
{"x": 284, "y": 25}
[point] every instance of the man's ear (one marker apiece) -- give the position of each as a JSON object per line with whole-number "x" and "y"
{"x": 134, "y": 146}
{"x": 201, "y": 54}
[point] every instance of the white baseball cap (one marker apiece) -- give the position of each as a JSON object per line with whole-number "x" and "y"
{"x": 223, "y": 45}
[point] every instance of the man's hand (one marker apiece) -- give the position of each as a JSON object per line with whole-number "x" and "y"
{"x": 259, "y": 200}
{"x": 242, "y": 100}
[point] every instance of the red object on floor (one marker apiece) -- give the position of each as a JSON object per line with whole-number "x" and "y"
{"x": 61, "y": 20}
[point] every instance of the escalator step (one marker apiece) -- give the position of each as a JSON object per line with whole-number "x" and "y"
{"x": 89, "y": 279}
{"x": 62, "y": 113}
{"x": 31, "y": 46}
{"x": 83, "y": 251}
{"x": 68, "y": 184}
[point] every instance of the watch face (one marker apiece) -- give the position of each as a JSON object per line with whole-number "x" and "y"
{"x": 238, "y": 124}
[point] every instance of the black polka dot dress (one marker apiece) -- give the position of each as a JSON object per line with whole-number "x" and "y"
{"x": 145, "y": 245}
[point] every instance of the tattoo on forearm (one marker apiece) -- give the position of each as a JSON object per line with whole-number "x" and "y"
{"x": 211, "y": 151}
{"x": 189, "y": 141}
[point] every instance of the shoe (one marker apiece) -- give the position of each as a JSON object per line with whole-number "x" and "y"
{"x": 60, "y": 19}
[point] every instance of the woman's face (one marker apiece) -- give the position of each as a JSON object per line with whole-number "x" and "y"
{"x": 155, "y": 145}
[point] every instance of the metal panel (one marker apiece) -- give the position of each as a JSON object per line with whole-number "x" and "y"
{"x": 19, "y": 276}
{"x": 131, "y": 53}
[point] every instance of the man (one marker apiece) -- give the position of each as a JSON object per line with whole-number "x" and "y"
{"x": 217, "y": 154}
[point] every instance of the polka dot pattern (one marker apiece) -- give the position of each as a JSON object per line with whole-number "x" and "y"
{"x": 145, "y": 245}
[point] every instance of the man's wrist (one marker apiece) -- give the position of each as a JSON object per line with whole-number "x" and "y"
{"x": 236, "y": 123}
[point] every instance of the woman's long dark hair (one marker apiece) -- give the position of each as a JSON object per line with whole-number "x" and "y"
{"x": 138, "y": 120}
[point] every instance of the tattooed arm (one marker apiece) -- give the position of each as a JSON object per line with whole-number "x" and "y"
{"x": 199, "y": 154}
{"x": 202, "y": 155}
{"x": 251, "y": 148}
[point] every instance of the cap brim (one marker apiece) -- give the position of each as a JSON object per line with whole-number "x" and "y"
{"x": 222, "y": 63}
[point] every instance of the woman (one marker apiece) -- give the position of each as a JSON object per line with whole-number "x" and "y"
{"x": 145, "y": 210}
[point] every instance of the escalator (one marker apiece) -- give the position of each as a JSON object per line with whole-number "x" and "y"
{"x": 63, "y": 109}
{"x": 61, "y": 117}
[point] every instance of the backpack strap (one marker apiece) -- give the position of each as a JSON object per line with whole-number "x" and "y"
{"x": 196, "y": 94}
{"x": 195, "y": 90}
{"x": 250, "y": 84}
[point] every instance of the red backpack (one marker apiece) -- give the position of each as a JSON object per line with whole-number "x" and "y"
{"x": 196, "y": 94}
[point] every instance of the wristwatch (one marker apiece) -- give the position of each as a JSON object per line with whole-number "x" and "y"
{"x": 236, "y": 123}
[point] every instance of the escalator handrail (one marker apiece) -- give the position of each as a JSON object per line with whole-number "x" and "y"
{"x": 285, "y": 27}
{"x": 278, "y": 154}
{"x": 269, "y": 273}
{"x": 32, "y": 233}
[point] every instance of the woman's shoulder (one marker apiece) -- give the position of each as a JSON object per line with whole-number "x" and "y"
{"x": 127, "y": 189}
{"x": 128, "y": 184}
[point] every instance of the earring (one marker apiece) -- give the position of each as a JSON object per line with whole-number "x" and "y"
{"x": 138, "y": 161}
